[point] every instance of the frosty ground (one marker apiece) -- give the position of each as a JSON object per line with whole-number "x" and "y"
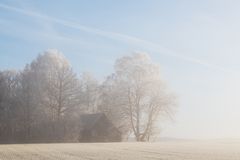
{"x": 167, "y": 150}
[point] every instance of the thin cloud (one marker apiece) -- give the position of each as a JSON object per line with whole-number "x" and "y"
{"x": 117, "y": 36}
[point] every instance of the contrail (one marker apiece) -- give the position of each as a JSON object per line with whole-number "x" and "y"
{"x": 117, "y": 36}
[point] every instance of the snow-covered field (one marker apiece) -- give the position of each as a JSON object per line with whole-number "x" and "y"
{"x": 168, "y": 150}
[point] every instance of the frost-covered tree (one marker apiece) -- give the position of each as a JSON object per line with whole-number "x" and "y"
{"x": 42, "y": 103}
{"x": 31, "y": 113}
{"x": 113, "y": 104}
{"x": 57, "y": 94}
{"x": 8, "y": 105}
{"x": 58, "y": 83}
{"x": 90, "y": 93}
{"x": 139, "y": 94}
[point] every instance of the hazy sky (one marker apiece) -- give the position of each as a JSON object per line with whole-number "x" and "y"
{"x": 197, "y": 44}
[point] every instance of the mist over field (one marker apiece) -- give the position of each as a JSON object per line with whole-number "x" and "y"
{"x": 188, "y": 150}
{"x": 122, "y": 79}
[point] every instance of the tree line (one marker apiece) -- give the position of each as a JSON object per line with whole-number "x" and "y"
{"x": 43, "y": 102}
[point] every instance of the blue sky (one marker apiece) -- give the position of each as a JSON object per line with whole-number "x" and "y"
{"x": 196, "y": 44}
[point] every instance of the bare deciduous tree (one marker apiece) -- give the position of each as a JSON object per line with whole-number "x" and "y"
{"x": 140, "y": 90}
{"x": 42, "y": 103}
{"x": 60, "y": 84}
{"x": 8, "y": 104}
{"x": 59, "y": 89}
{"x": 90, "y": 93}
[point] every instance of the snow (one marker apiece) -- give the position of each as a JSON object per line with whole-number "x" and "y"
{"x": 172, "y": 150}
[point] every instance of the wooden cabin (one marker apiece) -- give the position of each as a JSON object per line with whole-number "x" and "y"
{"x": 97, "y": 128}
